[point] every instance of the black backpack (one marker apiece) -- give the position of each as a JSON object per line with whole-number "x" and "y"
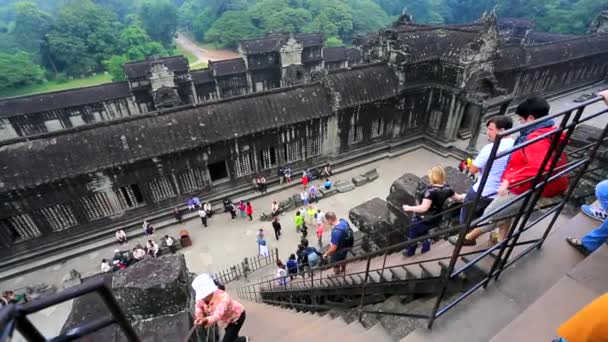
{"x": 348, "y": 238}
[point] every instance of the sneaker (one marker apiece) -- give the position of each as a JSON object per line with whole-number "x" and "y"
{"x": 595, "y": 213}
{"x": 578, "y": 245}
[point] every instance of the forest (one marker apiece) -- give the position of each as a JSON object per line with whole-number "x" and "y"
{"x": 57, "y": 40}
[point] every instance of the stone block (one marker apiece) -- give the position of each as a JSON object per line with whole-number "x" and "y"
{"x": 403, "y": 191}
{"x": 360, "y": 180}
{"x": 379, "y": 225}
{"x": 344, "y": 186}
{"x": 328, "y": 192}
{"x": 457, "y": 180}
{"x": 173, "y": 327}
{"x": 371, "y": 175}
{"x": 153, "y": 287}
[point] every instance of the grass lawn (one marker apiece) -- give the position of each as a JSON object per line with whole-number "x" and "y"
{"x": 54, "y": 86}
{"x": 190, "y": 56}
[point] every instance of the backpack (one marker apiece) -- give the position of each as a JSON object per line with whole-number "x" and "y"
{"x": 312, "y": 256}
{"x": 348, "y": 237}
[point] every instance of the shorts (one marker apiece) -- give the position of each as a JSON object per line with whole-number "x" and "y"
{"x": 496, "y": 203}
{"x": 338, "y": 256}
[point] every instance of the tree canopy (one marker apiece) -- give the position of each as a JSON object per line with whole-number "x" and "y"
{"x": 80, "y": 37}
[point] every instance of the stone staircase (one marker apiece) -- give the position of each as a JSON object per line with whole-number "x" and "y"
{"x": 269, "y": 323}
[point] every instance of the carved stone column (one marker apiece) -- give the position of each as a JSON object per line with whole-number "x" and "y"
{"x": 475, "y": 112}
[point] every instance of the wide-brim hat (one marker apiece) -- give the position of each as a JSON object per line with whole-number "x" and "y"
{"x": 203, "y": 286}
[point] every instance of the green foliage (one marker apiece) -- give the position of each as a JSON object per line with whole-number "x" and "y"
{"x": 368, "y": 16}
{"x": 31, "y": 26}
{"x": 231, "y": 27}
{"x": 85, "y": 34}
{"x": 18, "y": 69}
{"x": 159, "y": 19}
{"x": 203, "y": 22}
{"x": 333, "y": 42}
{"x": 114, "y": 67}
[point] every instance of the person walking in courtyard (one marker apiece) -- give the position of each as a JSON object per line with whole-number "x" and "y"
{"x": 304, "y": 179}
{"x": 121, "y": 236}
{"x": 292, "y": 266}
{"x": 231, "y": 209}
{"x": 276, "y": 226}
{"x": 178, "y": 215}
{"x": 312, "y": 193}
{"x": 342, "y": 239}
{"x": 310, "y": 215}
{"x": 216, "y": 306}
{"x": 598, "y": 236}
{"x": 299, "y": 221}
{"x": 170, "y": 243}
{"x": 242, "y": 208}
{"x": 147, "y": 227}
{"x": 208, "y": 209}
{"x": 203, "y": 215}
{"x": 522, "y": 167}
{"x": 320, "y": 231}
{"x": 249, "y": 211}
{"x": 433, "y": 200}
{"x": 281, "y": 174}
{"x": 495, "y": 125}
{"x": 304, "y": 197}
{"x": 287, "y": 174}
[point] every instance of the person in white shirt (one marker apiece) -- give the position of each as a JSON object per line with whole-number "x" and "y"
{"x": 121, "y": 236}
{"x": 203, "y": 215}
{"x": 170, "y": 244}
{"x": 207, "y": 208}
{"x": 105, "y": 266}
{"x": 304, "y": 196}
{"x": 152, "y": 248}
{"x": 495, "y": 126}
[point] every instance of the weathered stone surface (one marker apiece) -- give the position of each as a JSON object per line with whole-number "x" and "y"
{"x": 455, "y": 179}
{"x": 344, "y": 186}
{"x": 379, "y": 225}
{"x": 360, "y": 180}
{"x": 88, "y": 308}
{"x": 153, "y": 287}
{"x": 371, "y": 175}
{"x": 403, "y": 191}
{"x": 173, "y": 327}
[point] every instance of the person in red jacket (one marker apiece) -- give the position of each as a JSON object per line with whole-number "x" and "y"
{"x": 521, "y": 169}
{"x": 249, "y": 211}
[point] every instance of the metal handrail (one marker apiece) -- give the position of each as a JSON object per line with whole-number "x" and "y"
{"x": 15, "y": 316}
{"x": 522, "y": 222}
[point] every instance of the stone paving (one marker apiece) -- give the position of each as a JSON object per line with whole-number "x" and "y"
{"x": 226, "y": 242}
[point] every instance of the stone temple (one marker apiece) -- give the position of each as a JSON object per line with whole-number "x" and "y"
{"x": 84, "y": 161}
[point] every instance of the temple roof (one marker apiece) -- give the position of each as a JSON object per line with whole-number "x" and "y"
{"x": 334, "y": 54}
{"x": 228, "y": 67}
{"x": 63, "y": 99}
{"x": 445, "y": 44}
{"x": 514, "y": 57}
{"x": 273, "y": 43}
{"x": 52, "y": 156}
{"x": 202, "y": 76}
{"x": 125, "y": 141}
{"x": 363, "y": 84}
{"x": 534, "y": 38}
{"x": 141, "y": 68}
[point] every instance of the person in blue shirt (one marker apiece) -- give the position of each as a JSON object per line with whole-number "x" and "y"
{"x": 335, "y": 250}
{"x": 327, "y": 184}
{"x": 292, "y": 266}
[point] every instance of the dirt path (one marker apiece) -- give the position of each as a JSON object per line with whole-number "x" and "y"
{"x": 203, "y": 55}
